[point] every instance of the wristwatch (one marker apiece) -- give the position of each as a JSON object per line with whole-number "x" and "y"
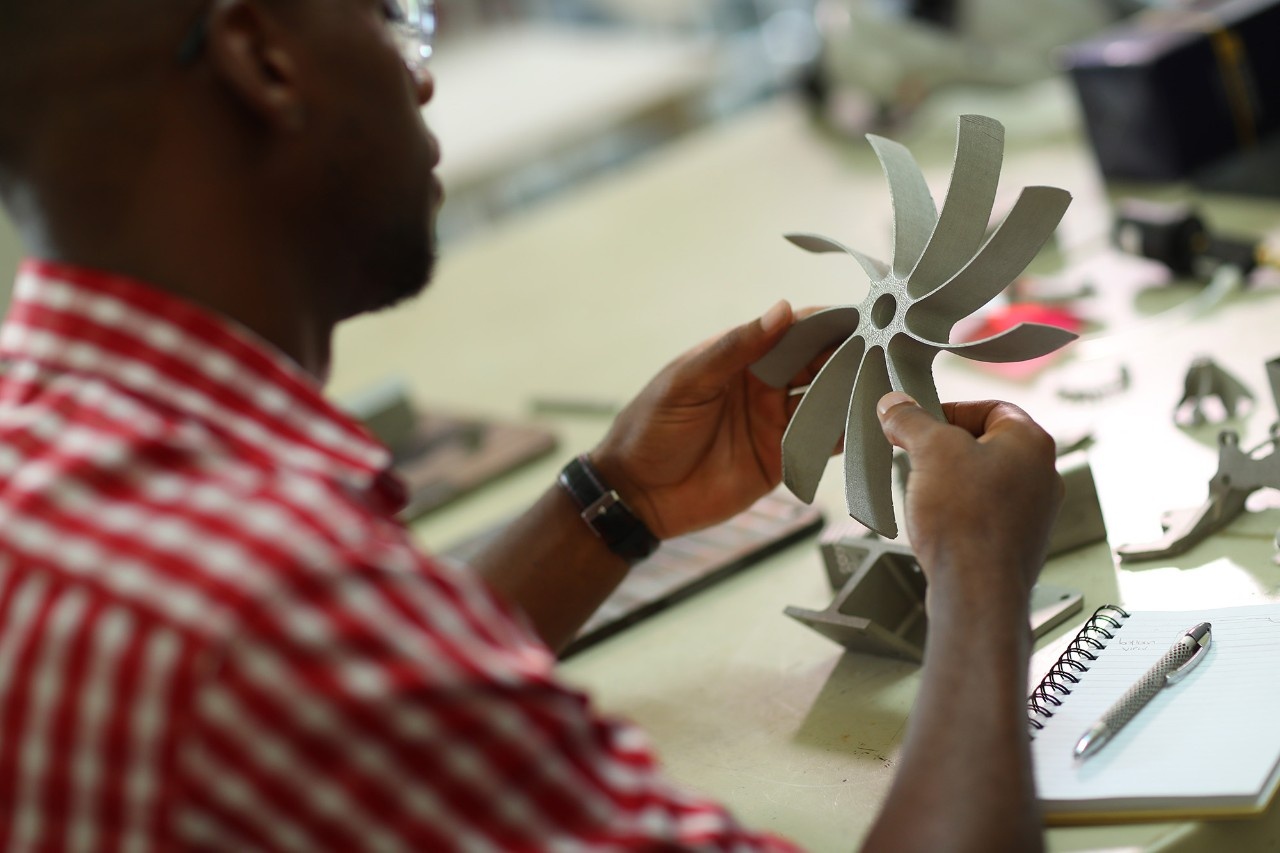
{"x": 605, "y": 513}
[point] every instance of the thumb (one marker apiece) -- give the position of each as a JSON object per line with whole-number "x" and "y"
{"x": 904, "y": 422}
{"x": 737, "y": 348}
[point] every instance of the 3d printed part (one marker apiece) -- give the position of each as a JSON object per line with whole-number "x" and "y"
{"x": 1273, "y": 379}
{"x": 1206, "y": 383}
{"x": 941, "y": 272}
{"x": 1240, "y": 474}
{"x": 879, "y": 604}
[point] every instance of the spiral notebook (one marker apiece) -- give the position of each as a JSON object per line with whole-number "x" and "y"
{"x": 1207, "y": 747}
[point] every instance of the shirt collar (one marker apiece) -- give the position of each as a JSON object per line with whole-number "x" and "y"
{"x": 182, "y": 356}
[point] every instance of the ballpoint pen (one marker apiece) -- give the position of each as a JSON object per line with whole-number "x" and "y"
{"x": 1190, "y": 647}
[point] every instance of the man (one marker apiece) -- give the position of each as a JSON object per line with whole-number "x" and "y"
{"x": 214, "y": 635}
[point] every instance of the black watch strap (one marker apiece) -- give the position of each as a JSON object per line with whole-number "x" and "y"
{"x": 604, "y": 512}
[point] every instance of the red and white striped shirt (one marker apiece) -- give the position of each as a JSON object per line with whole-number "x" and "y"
{"x": 214, "y": 635}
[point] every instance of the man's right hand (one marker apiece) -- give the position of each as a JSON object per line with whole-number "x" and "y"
{"x": 981, "y": 500}
{"x": 983, "y": 491}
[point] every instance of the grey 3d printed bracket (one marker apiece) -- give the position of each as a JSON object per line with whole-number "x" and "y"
{"x": 879, "y": 587}
{"x": 1240, "y": 473}
{"x": 1206, "y": 383}
{"x": 941, "y": 272}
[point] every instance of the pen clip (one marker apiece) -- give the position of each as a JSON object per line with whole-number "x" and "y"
{"x": 1203, "y": 638}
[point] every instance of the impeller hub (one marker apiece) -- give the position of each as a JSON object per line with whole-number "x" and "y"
{"x": 884, "y": 311}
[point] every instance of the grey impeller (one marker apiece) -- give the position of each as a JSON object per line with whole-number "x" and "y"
{"x": 941, "y": 273}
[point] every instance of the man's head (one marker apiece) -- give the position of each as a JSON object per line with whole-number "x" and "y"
{"x": 281, "y": 134}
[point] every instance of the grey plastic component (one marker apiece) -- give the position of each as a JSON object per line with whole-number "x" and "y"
{"x": 1205, "y": 382}
{"x": 1080, "y": 520}
{"x": 879, "y": 605}
{"x": 941, "y": 271}
{"x": 1240, "y": 474}
{"x": 1106, "y": 381}
{"x": 1273, "y": 379}
{"x": 879, "y": 608}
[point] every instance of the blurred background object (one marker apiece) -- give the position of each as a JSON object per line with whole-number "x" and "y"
{"x": 1176, "y": 235}
{"x": 881, "y": 58}
{"x": 538, "y": 95}
{"x": 1179, "y": 92}
{"x": 535, "y": 98}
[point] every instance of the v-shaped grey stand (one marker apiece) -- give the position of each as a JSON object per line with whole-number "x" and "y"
{"x": 1205, "y": 382}
{"x": 941, "y": 272}
{"x": 878, "y": 608}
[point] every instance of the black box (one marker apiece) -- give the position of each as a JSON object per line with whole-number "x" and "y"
{"x": 1171, "y": 91}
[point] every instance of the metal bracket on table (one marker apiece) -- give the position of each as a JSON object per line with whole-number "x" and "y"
{"x": 1205, "y": 382}
{"x": 880, "y": 588}
{"x": 879, "y": 604}
{"x": 1240, "y": 474}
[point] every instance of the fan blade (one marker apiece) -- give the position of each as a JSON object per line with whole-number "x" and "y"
{"x": 868, "y": 456}
{"x": 815, "y": 428}
{"x": 1014, "y": 245}
{"x": 967, "y": 210}
{"x": 911, "y": 371}
{"x": 818, "y": 244}
{"x": 914, "y": 212}
{"x": 802, "y": 343}
{"x": 1023, "y": 342}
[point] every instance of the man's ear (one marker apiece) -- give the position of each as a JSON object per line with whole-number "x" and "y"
{"x": 251, "y": 49}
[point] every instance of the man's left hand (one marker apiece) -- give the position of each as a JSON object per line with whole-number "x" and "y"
{"x": 703, "y": 440}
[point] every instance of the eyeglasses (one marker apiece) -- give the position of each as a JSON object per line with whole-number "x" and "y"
{"x": 412, "y": 24}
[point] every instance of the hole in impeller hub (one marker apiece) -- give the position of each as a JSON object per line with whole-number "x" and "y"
{"x": 883, "y": 312}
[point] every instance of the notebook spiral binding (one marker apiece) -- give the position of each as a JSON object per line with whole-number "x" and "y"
{"x": 1092, "y": 637}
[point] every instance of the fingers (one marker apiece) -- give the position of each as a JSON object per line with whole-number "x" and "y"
{"x": 996, "y": 421}
{"x": 717, "y": 360}
{"x": 986, "y": 417}
{"x": 777, "y": 318}
{"x": 809, "y": 311}
{"x": 970, "y": 416}
{"x": 724, "y": 353}
{"x": 905, "y": 424}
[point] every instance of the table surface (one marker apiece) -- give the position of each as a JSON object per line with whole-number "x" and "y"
{"x": 587, "y": 296}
